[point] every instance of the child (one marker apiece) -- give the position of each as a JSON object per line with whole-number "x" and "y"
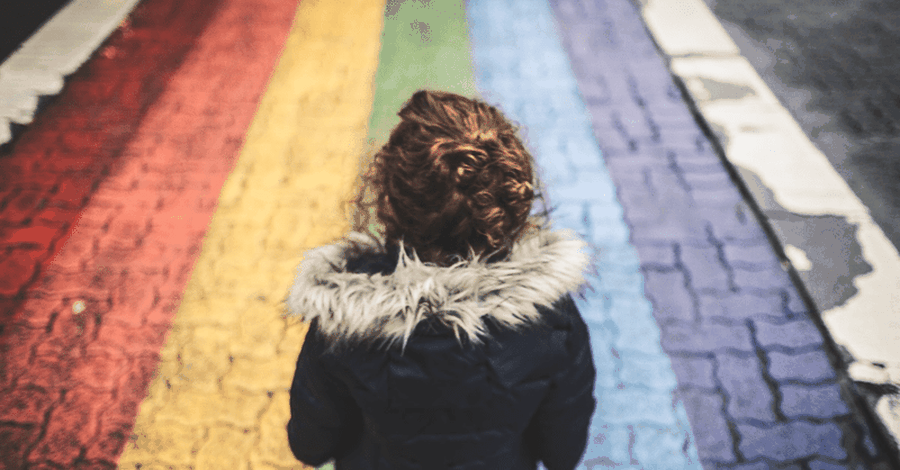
{"x": 449, "y": 340}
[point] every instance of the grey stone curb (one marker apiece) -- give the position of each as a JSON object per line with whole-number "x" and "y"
{"x": 717, "y": 286}
{"x": 864, "y": 397}
{"x": 838, "y": 356}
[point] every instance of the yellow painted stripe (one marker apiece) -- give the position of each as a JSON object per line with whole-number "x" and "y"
{"x": 220, "y": 399}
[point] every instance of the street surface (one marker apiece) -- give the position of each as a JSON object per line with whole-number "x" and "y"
{"x": 830, "y": 64}
{"x": 152, "y": 216}
{"x": 825, "y": 64}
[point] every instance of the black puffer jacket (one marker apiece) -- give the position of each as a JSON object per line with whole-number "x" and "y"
{"x": 413, "y": 366}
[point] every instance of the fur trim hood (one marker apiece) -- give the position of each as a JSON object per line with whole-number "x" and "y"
{"x": 541, "y": 268}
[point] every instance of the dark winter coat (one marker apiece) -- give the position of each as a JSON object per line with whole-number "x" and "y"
{"x": 408, "y": 365}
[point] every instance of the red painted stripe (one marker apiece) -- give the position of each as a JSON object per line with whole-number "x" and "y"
{"x": 104, "y": 201}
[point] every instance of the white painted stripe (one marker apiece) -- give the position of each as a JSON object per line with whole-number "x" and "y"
{"x": 673, "y": 19}
{"x": 761, "y": 136}
{"x": 56, "y": 50}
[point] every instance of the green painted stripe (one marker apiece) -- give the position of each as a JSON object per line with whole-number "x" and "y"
{"x": 425, "y": 44}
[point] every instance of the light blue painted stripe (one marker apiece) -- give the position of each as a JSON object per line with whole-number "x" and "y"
{"x": 521, "y": 66}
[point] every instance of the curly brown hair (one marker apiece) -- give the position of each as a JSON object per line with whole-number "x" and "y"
{"x": 454, "y": 179}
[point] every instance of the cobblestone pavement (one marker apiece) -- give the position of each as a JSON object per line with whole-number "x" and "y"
{"x": 761, "y": 384}
{"x": 421, "y": 47}
{"x": 221, "y": 397}
{"x": 105, "y": 201}
{"x": 114, "y": 231}
{"x": 520, "y": 64}
{"x": 826, "y": 64}
{"x": 315, "y": 168}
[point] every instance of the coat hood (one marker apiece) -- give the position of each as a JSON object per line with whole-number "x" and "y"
{"x": 541, "y": 268}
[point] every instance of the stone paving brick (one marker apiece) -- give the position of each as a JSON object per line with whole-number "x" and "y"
{"x": 224, "y": 445}
{"x": 748, "y": 394}
{"x": 795, "y": 303}
{"x": 644, "y": 370}
{"x": 631, "y": 123}
{"x": 751, "y": 466}
{"x": 632, "y": 164}
{"x": 68, "y": 425}
{"x": 666, "y": 183}
{"x": 694, "y": 371}
{"x": 605, "y": 231}
{"x": 708, "y": 179}
{"x": 635, "y": 195}
{"x": 116, "y": 422}
{"x": 766, "y": 280}
{"x": 812, "y": 401}
{"x": 711, "y": 431}
{"x": 788, "y": 334}
{"x": 71, "y": 194}
{"x": 740, "y": 306}
{"x": 25, "y": 405}
{"x": 34, "y": 237}
{"x": 22, "y": 205}
{"x": 618, "y": 282}
{"x": 689, "y": 145}
{"x": 616, "y": 256}
{"x": 809, "y": 367}
{"x": 609, "y": 446}
{"x": 707, "y": 271}
{"x": 613, "y": 140}
{"x": 657, "y": 258}
{"x": 607, "y": 364}
{"x": 659, "y": 448}
{"x": 635, "y": 329}
{"x": 752, "y": 257}
{"x": 671, "y": 300}
{"x": 19, "y": 267}
{"x": 818, "y": 464}
{"x": 14, "y": 442}
{"x": 791, "y": 441}
{"x": 719, "y": 198}
{"x": 735, "y": 225}
{"x": 629, "y": 405}
{"x": 102, "y": 371}
{"x": 174, "y": 445}
{"x": 675, "y": 224}
{"x": 594, "y": 188}
{"x": 703, "y": 338}
{"x": 689, "y": 166}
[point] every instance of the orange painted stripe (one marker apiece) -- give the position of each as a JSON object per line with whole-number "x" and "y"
{"x": 122, "y": 172}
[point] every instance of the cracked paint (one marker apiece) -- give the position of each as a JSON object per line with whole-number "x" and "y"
{"x": 827, "y": 242}
{"x": 708, "y": 89}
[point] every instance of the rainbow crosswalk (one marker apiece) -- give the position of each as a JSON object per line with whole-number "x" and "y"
{"x": 219, "y": 396}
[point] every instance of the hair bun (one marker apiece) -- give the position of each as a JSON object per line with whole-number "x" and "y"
{"x": 484, "y": 136}
{"x": 453, "y": 178}
{"x": 466, "y": 162}
{"x": 523, "y": 190}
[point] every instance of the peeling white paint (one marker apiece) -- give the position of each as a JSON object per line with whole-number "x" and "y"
{"x": 761, "y": 138}
{"x": 798, "y": 258}
{"x": 55, "y": 51}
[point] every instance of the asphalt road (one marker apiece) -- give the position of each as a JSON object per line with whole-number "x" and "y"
{"x": 19, "y": 20}
{"x": 833, "y": 66}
